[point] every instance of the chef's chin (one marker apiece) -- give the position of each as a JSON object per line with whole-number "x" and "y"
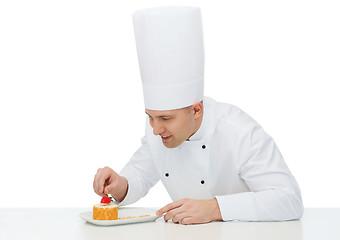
{"x": 170, "y": 144}
{"x": 167, "y": 144}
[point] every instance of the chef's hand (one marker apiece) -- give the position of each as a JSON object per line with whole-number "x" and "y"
{"x": 191, "y": 211}
{"x": 107, "y": 181}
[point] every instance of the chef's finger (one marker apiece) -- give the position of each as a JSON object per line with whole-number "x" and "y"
{"x": 169, "y": 207}
{"x": 188, "y": 220}
{"x": 109, "y": 187}
{"x": 105, "y": 191}
{"x": 179, "y": 217}
{"x": 104, "y": 174}
{"x": 106, "y": 182}
{"x": 175, "y": 213}
{"x": 95, "y": 181}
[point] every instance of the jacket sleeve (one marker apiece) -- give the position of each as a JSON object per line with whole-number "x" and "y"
{"x": 140, "y": 174}
{"x": 274, "y": 194}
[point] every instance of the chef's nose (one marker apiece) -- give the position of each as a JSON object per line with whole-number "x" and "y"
{"x": 157, "y": 129}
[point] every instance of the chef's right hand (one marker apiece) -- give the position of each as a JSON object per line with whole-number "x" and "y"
{"x": 107, "y": 181}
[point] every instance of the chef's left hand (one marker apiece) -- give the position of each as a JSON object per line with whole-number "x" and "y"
{"x": 191, "y": 211}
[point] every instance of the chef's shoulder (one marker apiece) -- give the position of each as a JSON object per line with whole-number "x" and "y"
{"x": 231, "y": 118}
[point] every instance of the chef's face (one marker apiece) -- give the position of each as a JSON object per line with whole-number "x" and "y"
{"x": 176, "y": 126}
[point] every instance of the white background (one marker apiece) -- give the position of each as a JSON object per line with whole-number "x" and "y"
{"x": 71, "y": 96}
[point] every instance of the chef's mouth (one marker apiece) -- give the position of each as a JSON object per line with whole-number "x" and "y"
{"x": 166, "y": 138}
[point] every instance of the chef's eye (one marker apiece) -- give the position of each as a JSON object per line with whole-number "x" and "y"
{"x": 166, "y": 119}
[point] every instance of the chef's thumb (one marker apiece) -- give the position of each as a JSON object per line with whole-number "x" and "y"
{"x": 107, "y": 189}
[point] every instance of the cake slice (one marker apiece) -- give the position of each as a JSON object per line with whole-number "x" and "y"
{"x": 105, "y": 211}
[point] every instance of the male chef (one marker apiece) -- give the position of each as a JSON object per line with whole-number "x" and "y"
{"x": 215, "y": 161}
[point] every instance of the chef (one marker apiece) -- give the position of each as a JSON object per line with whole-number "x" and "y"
{"x": 215, "y": 161}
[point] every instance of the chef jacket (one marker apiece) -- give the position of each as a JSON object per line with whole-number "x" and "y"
{"x": 230, "y": 158}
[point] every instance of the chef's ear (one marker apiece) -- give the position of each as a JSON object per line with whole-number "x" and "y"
{"x": 197, "y": 109}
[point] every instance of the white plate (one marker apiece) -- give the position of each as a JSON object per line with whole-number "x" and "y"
{"x": 123, "y": 213}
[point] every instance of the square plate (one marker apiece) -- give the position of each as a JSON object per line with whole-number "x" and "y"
{"x": 129, "y": 215}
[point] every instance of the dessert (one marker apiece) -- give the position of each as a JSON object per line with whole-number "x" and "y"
{"x": 105, "y": 210}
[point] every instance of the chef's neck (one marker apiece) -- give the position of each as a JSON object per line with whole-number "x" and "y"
{"x": 198, "y": 124}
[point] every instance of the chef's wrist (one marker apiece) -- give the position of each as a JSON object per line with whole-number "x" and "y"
{"x": 215, "y": 210}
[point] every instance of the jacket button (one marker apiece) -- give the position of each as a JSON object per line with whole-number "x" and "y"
{"x": 167, "y": 174}
{"x": 202, "y": 182}
{"x": 203, "y": 146}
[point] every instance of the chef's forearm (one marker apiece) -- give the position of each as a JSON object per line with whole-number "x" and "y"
{"x": 269, "y": 205}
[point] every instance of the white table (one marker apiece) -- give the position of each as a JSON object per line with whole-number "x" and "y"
{"x": 64, "y": 223}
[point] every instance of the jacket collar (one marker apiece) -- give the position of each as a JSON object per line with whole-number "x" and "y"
{"x": 201, "y": 132}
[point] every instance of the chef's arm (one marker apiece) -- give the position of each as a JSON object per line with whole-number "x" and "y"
{"x": 140, "y": 174}
{"x": 273, "y": 195}
{"x": 268, "y": 205}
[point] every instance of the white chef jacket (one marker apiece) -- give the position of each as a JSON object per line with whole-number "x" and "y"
{"x": 229, "y": 158}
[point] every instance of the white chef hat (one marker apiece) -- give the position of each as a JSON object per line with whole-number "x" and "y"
{"x": 170, "y": 51}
